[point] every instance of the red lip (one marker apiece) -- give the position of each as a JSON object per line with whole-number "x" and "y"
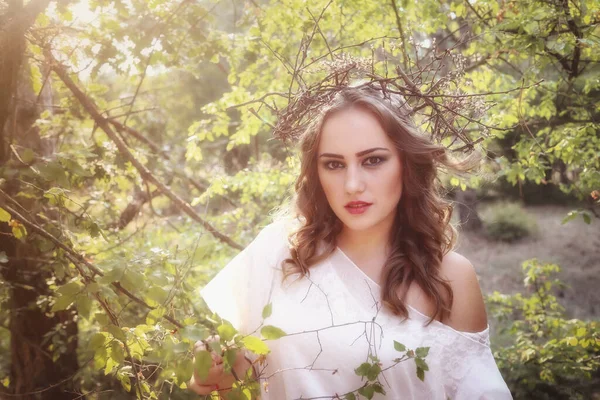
{"x": 357, "y": 204}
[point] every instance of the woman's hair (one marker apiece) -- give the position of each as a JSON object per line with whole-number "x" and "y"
{"x": 421, "y": 233}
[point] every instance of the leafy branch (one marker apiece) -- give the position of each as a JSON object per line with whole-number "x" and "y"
{"x": 89, "y": 105}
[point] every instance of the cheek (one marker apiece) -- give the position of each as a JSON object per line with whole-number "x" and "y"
{"x": 331, "y": 186}
{"x": 393, "y": 180}
{"x": 326, "y": 183}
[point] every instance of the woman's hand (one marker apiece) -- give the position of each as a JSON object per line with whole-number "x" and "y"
{"x": 217, "y": 378}
{"x": 216, "y": 373}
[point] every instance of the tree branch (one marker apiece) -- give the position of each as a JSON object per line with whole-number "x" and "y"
{"x": 578, "y": 36}
{"x": 104, "y": 124}
{"x": 401, "y": 30}
{"x": 77, "y": 258}
{"x": 201, "y": 186}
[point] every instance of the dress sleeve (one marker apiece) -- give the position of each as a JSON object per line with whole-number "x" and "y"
{"x": 239, "y": 292}
{"x": 472, "y": 370}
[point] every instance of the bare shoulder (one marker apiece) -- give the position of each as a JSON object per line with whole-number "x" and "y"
{"x": 468, "y": 309}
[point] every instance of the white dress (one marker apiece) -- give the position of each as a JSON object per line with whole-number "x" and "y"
{"x": 334, "y": 321}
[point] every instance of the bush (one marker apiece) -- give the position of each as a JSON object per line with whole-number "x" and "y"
{"x": 508, "y": 222}
{"x": 547, "y": 356}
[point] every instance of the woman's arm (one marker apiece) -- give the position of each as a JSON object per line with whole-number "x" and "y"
{"x": 468, "y": 309}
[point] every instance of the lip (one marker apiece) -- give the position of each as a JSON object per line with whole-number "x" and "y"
{"x": 357, "y": 204}
{"x": 357, "y": 207}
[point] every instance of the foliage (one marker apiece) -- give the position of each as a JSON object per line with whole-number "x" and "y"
{"x": 548, "y": 356}
{"x": 371, "y": 370}
{"x": 508, "y": 222}
{"x": 556, "y": 42}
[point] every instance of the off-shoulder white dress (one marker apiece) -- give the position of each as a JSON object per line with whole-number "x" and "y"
{"x": 334, "y": 320}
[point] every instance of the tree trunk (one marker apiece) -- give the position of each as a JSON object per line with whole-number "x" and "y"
{"x": 43, "y": 346}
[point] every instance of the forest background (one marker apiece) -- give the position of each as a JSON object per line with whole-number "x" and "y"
{"x": 137, "y": 156}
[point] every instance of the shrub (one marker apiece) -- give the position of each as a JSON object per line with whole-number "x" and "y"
{"x": 508, "y": 222}
{"x": 547, "y": 356}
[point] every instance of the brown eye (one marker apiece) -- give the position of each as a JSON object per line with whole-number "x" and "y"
{"x": 373, "y": 161}
{"x": 333, "y": 165}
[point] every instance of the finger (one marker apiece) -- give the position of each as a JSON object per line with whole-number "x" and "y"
{"x": 217, "y": 359}
{"x": 200, "y": 389}
{"x": 199, "y": 345}
{"x": 205, "y": 344}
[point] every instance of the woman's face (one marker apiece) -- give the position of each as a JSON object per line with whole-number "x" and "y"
{"x": 360, "y": 170}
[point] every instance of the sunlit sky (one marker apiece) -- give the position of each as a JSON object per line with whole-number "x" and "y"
{"x": 83, "y": 16}
{"x": 80, "y": 10}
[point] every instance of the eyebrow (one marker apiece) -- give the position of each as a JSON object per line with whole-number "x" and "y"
{"x": 359, "y": 154}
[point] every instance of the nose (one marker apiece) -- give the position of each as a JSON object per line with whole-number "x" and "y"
{"x": 355, "y": 181}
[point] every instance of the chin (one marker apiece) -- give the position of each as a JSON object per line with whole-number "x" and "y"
{"x": 359, "y": 224}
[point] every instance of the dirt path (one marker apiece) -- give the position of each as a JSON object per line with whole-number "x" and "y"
{"x": 575, "y": 247}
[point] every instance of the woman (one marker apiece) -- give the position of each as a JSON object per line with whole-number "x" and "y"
{"x": 367, "y": 273}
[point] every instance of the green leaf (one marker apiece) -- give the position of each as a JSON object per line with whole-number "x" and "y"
{"x": 102, "y": 318}
{"x": 155, "y": 315}
{"x": 571, "y": 215}
{"x": 4, "y": 215}
{"x": 572, "y": 341}
{"x": 62, "y": 303}
{"x": 184, "y": 370}
{"x": 110, "y": 365}
{"x": 378, "y": 388}
{"x": 195, "y": 333}
{"x": 422, "y": 352}
{"x": 267, "y": 311}
{"x": 586, "y": 218}
{"x": 421, "y": 374}
{"x": 96, "y": 341}
{"x": 363, "y": 369}
{"x": 226, "y": 331}
{"x": 350, "y": 396}
{"x": 270, "y": 332}
{"x": 116, "y": 332}
{"x": 373, "y": 372}
{"x": 421, "y": 364}
{"x": 215, "y": 346}
{"x": 131, "y": 279}
{"x": 117, "y": 352}
{"x": 230, "y": 356}
{"x": 255, "y": 345}
{"x": 125, "y": 382}
{"x": 100, "y": 357}
{"x": 202, "y": 363}
{"x": 92, "y": 287}
{"x": 70, "y": 289}
{"x": 19, "y": 231}
{"x": 84, "y": 306}
{"x": 399, "y": 346}
{"x": 158, "y": 294}
{"x": 367, "y": 391}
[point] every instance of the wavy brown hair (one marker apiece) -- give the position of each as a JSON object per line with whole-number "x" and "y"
{"x": 421, "y": 233}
